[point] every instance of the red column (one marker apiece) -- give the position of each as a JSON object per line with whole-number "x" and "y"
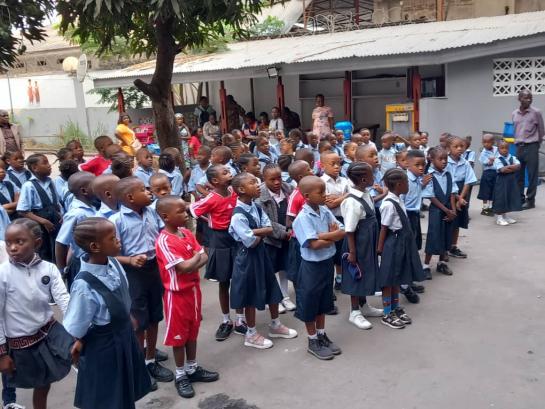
{"x": 280, "y": 100}
{"x": 347, "y": 95}
{"x": 223, "y": 107}
{"x": 120, "y": 101}
{"x": 417, "y": 92}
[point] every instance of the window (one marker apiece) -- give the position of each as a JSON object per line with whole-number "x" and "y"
{"x": 41, "y": 63}
{"x": 19, "y": 65}
{"x": 89, "y": 64}
{"x": 512, "y": 75}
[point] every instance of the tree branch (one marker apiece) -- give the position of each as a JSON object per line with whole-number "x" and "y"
{"x": 147, "y": 89}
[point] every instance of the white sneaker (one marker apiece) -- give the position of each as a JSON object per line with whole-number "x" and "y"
{"x": 370, "y": 311}
{"x": 500, "y": 221}
{"x": 257, "y": 341}
{"x": 359, "y": 320}
{"x": 281, "y": 309}
{"x": 282, "y": 331}
{"x": 13, "y": 406}
{"x": 509, "y": 220}
{"x": 290, "y": 306}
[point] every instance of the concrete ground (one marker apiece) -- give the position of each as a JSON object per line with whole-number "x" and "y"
{"x": 476, "y": 342}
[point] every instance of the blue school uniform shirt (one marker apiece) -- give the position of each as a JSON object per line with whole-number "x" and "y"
{"x": 197, "y": 174}
{"x": 29, "y": 199}
{"x": 230, "y": 165}
{"x": 153, "y": 207}
{"x": 339, "y": 151}
{"x": 65, "y": 196}
{"x": 4, "y": 188}
{"x": 461, "y": 171}
{"x": 498, "y": 163}
{"x": 108, "y": 170}
{"x": 413, "y": 198}
{"x": 86, "y": 306}
{"x": 239, "y": 228}
{"x": 344, "y": 167}
{"x": 176, "y": 181}
{"x": 387, "y": 159}
{"x": 264, "y": 159}
{"x": 316, "y": 152}
{"x": 143, "y": 174}
{"x": 485, "y": 156}
{"x": 377, "y": 179}
{"x": 15, "y": 176}
{"x": 308, "y": 224}
{"x": 137, "y": 233}
{"x": 300, "y": 145}
{"x": 442, "y": 179}
{"x": 78, "y": 211}
{"x": 105, "y": 210}
{"x": 288, "y": 179}
{"x": 469, "y": 155}
{"x": 4, "y": 221}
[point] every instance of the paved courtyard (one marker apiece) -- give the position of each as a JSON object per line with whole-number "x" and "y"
{"x": 477, "y": 341}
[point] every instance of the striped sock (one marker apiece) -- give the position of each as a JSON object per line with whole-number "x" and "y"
{"x": 395, "y": 300}
{"x": 386, "y": 305}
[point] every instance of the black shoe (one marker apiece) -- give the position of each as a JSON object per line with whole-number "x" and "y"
{"x": 528, "y": 205}
{"x": 444, "y": 269}
{"x": 224, "y": 331}
{"x": 154, "y": 385}
{"x": 427, "y": 274}
{"x": 400, "y": 313}
{"x": 325, "y": 341}
{"x": 393, "y": 321}
{"x": 160, "y": 373}
{"x": 160, "y": 356}
{"x": 334, "y": 311}
{"x": 184, "y": 387}
{"x": 410, "y": 295}
{"x": 203, "y": 375}
{"x": 456, "y": 252}
{"x": 417, "y": 288}
{"x": 316, "y": 348}
{"x": 242, "y": 328}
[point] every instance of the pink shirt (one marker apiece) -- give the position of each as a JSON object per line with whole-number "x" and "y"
{"x": 320, "y": 118}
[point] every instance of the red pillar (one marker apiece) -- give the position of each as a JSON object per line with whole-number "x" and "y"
{"x": 417, "y": 92}
{"x": 223, "y": 107}
{"x": 120, "y": 101}
{"x": 357, "y": 12}
{"x": 280, "y": 100}
{"x": 347, "y": 95}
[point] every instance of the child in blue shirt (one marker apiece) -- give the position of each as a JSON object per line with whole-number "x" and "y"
{"x": 17, "y": 174}
{"x": 264, "y": 152}
{"x": 368, "y": 154}
{"x": 145, "y": 162}
{"x": 506, "y": 194}
{"x": 167, "y": 166}
{"x": 199, "y": 171}
{"x": 349, "y": 149}
{"x": 284, "y": 162}
{"x": 317, "y": 230}
{"x": 9, "y": 193}
{"x": 387, "y": 155}
{"x": 488, "y": 178}
{"x": 103, "y": 187}
{"x": 469, "y": 155}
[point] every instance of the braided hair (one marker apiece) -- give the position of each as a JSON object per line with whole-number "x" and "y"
{"x": 88, "y": 231}
{"x": 357, "y": 170}
{"x": 32, "y": 226}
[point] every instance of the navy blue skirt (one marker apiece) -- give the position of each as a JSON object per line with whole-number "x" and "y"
{"x": 462, "y": 216}
{"x": 254, "y": 282}
{"x": 294, "y": 260}
{"x": 400, "y": 262}
{"x": 314, "y": 289}
{"x": 414, "y": 220}
{"x": 337, "y": 258}
{"x": 439, "y": 236}
{"x": 506, "y": 194}
{"x": 221, "y": 256}
{"x": 278, "y": 256}
{"x": 204, "y": 232}
{"x": 486, "y": 188}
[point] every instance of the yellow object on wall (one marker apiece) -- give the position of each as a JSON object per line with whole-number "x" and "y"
{"x": 400, "y": 118}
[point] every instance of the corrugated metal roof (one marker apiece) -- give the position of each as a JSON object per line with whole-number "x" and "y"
{"x": 373, "y": 42}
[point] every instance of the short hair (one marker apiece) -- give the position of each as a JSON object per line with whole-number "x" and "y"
{"x": 245, "y": 159}
{"x": 296, "y": 167}
{"x": 206, "y": 149}
{"x": 362, "y": 149}
{"x": 125, "y": 186}
{"x": 284, "y": 161}
{"x": 79, "y": 180}
{"x": 99, "y": 141}
{"x": 10, "y": 154}
{"x": 260, "y": 139}
{"x": 356, "y": 170}
{"x": 122, "y": 165}
{"x": 393, "y": 176}
{"x": 308, "y": 183}
{"x": 167, "y": 162}
{"x": 63, "y": 154}
{"x": 34, "y": 159}
{"x": 295, "y": 133}
{"x": 164, "y": 203}
{"x": 415, "y": 153}
{"x": 73, "y": 141}
{"x": 239, "y": 179}
{"x": 87, "y": 231}
{"x": 436, "y": 151}
{"x": 142, "y": 151}
{"x": 347, "y": 145}
{"x": 157, "y": 176}
{"x": 213, "y": 172}
{"x": 33, "y": 227}
{"x": 454, "y": 138}
{"x": 270, "y": 167}
{"x": 224, "y": 152}
{"x": 323, "y": 143}
{"x": 304, "y": 153}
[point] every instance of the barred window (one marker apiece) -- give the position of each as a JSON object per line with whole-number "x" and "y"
{"x": 512, "y": 75}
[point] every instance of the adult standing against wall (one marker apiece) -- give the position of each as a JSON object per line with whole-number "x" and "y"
{"x": 203, "y": 111}
{"x": 322, "y": 118}
{"x": 10, "y": 137}
{"x": 125, "y": 135}
{"x": 529, "y": 132}
{"x": 276, "y": 123}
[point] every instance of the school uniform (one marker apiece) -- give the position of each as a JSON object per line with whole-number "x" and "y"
{"x": 286, "y": 178}
{"x": 137, "y": 234}
{"x": 315, "y": 151}
{"x": 143, "y": 174}
{"x": 64, "y": 195}
{"x": 413, "y": 201}
{"x": 182, "y": 298}
{"x": 18, "y": 177}
{"x": 439, "y": 236}
{"x": 254, "y": 282}
{"x": 300, "y": 145}
{"x": 344, "y": 167}
{"x": 469, "y": 155}
{"x": 105, "y": 211}
{"x": 377, "y": 179}
{"x": 506, "y": 193}
{"x": 400, "y": 262}
{"x": 462, "y": 174}
{"x": 222, "y": 248}
{"x": 111, "y": 370}
{"x": 339, "y": 151}
{"x": 232, "y": 168}
{"x": 197, "y": 174}
{"x": 176, "y": 181}
{"x": 387, "y": 159}
{"x": 7, "y": 195}
{"x": 266, "y": 159}
{"x": 275, "y": 207}
{"x": 314, "y": 288}
{"x": 337, "y": 186}
{"x": 488, "y": 178}
{"x": 359, "y": 218}
{"x": 78, "y": 212}
{"x": 296, "y": 201}
{"x": 38, "y": 345}
{"x": 39, "y": 197}
{"x": 4, "y": 222}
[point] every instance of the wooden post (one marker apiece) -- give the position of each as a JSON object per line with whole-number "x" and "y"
{"x": 223, "y": 107}
{"x": 280, "y": 100}
{"x": 440, "y": 12}
{"x": 357, "y": 13}
{"x": 252, "y": 96}
{"x": 347, "y": 95}
{"x": 417, "y": 92}
{"x": 120, "y": 101}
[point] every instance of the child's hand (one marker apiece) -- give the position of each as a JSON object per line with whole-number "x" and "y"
{"x": 7, "y": 365}
{"x": 379, "y": 250}
{"x": 451, "y": 215}
{"x": 352, "y": 258}
{"x": 333, "y": 227}
{"x": 138, "y": 261}
{"x": 48, "y": 225}
{"x": 461, "y": 203}
{"x": 378, "y": 188}
{"x": 426, "y": 179}
{"x": 75, "y": 352}
{"x": 491, "y": 160}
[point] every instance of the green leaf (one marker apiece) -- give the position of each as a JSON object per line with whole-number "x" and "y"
{"x": 176, "y": 8}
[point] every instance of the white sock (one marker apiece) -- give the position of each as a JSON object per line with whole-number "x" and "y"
{"x": 190, "y": 367}
{"x": 180, "y": 371}
{"x": 226, "y": 318}
{"x": 320, "y": 331}
{"x": 283, "y": 283}
{"x": 240, "y": 318}
{"x": 149, "y": 361}
{"x": 315, "y": 336}
{"x": 275, "y": 323}
{"x": 251, "y": 332}
{"x": 425, "y": 266}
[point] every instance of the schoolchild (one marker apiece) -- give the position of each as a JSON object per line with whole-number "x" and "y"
{"x": 307, "y": 155}
{"x": 387, "y": 155}
{"x": 468, "y": 154}
{"x": 286, "y": 147}
{"x": 159, "y": 187}
{"x": 138, "y": 228}
{"x": 17, "y": 173}
{"x": 274, "y": 202}
{"x": 464, "y": 177}
{"x": 9, "y": 193}
{"x": 378, "y": 191}
{"x": 359, "y": 246}
{"x": 101, "y": 161}
{"x": 34, "y": 347}
{"x": 296, "y": 137}
{"x": 313, "y": 142}
{"x": 144, "y": 170}
{"x": 339, "y": 135}
{"x": 253, "y": 284}
{"x": 335, "y": 146}
{"x": 122, "y": 165}
{"x": 400, "y": 262}
{"x": 488, "y": 179}
{"x": 424, "y": 138}
{"x": 284, "y": 162}
{"x": 39, "y": 202}
{"x": 180, "y": 257}
{"x": 349, "y": 149}
{"x": 167, "y": 166}
{"x": 248, "y": 162}
{"x": 110, "y": 152}
{"x": 401, "y": 160}
{"x": 264, "y": 152}
{"x": 506, "y": 194}
{"x": 317, "y": 230}
{"x": 111, "y": 369}
{"x": 76, "y": 148}
{"x": 366, "y": 138}
{"x": 217, "y": 208}
{"x": 67, "y": 167}
{"x": 442, "y": 194}
{"x": 84, "y": 205}
{"x": 199, "y": 171}
{"x": 222, "y": 155}
{"x": 103, "y": 187}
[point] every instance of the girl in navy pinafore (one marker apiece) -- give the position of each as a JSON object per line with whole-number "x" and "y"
{"x": 506, "y": 192}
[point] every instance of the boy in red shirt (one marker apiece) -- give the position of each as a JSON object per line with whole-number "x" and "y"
{"x": 180, "y": 256}
{"x": 105, "y": 148}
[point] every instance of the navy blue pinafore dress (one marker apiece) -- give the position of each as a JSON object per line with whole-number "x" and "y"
{"x": 506, "y": 191}
{"x": 439, "y": 237}
{"x": 400, "y": 262}
{"x": 366, "y": 237}
{"x": 112, "y": 373}
{"x": 253, "y": 283}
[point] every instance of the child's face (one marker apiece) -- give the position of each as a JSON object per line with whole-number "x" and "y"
{"x": 264, "y": 147}
{"x": 387, "y": 142}
{"x": 326, "y": 147}
{"x": 401, "y": 160}
{"x": 42, "y": 168}
{"x": 366, "y": 136}
{"x": 369, "y": 156}
{"x": 279, "y": 135}
{"x": 275, "y": 113}
{"x": 332, "y": 165}
{"x": 416, "y": 141}
{"x": 203, "y": 157}
{"x": 253, "y": 167}
{"x": 224, "y": 177}
{"x": 317, "y": 195}
{"x": 488, "y": 143}
{"x": 286, "y": 147}
{"x": 332, "y": 140}
{"x": 250, "y": 187}
{"x": 357, "y": 139}
{"x": 503, "y": 149}
{"x": 340, "y": 137}
{"x": 273, "y": 180}
{"x": 17, "y": 161}
{"x": 139, "y": 196}
{"x": 457, "y": 147}
{"x": 76, "y": 149}
{"x": 313, "y": 140}
{"x": 108, "y": 244}
{"x": 160, "y": 187}
{"x": 439, "y": 161}
{"x": 145, "y": 159}
{"x": 350, "y": 151}
{"x": 443, "y": 142}
{"x": 306, "y": 171}
{"x": 20, "y": 243}
{"x": 424, "y": 139}
{"x": 417, "y": 166}
{"x": 2, "y": 170}
{"x": 104, "y": 145}
{"x": 217, "y": 159}
{"x": 176, "y": 215}
{"x": 111, "y": 150}
{"x": 403, "y": 187}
